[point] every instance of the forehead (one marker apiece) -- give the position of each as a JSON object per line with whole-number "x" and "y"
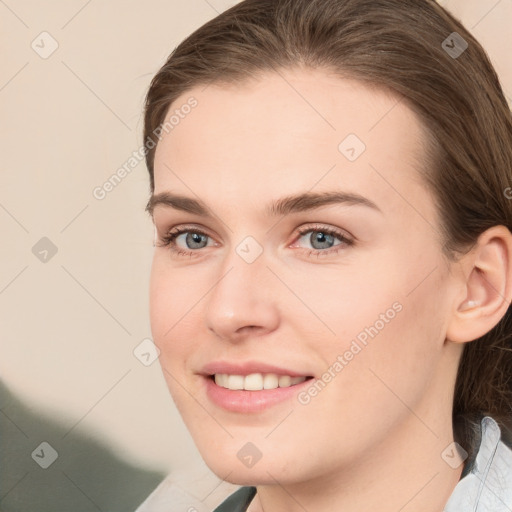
{"x": 292, "y": 130}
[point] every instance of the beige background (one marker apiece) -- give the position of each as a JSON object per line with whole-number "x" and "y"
{"x": 69, "y": 121}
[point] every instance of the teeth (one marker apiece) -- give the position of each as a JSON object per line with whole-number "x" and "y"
{"x": 235, "y": 382}
{"x": 256, "y": 381}
{"x": 253, "y": 382}
{"x": 285, "y": 381}
{"x": 270, "y": 381}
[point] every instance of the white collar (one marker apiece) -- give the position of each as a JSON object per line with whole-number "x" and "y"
{"x": 488, "y": 486}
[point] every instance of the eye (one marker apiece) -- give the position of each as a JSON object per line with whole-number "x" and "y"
{"x": 194, "y": 239}
{"x": 322, "y": 239}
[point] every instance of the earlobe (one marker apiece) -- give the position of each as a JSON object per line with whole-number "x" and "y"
{"x": 487, "y": 289}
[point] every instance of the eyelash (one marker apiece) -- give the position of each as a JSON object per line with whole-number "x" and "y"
{"x": 169, "y": 240}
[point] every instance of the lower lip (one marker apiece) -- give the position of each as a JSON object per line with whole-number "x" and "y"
{"x": 250, "y": 401}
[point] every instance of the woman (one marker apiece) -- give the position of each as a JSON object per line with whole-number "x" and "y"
{"x": 332, "y": 275}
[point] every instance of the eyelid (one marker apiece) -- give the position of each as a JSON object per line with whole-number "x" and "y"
{"x": 340, "y": 232}
{"x": 300, "y": 231}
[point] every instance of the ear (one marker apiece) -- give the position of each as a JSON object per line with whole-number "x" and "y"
{"x": 486, "y": 286}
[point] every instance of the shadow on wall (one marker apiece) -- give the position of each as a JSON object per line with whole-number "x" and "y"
{"x": 46, "y": 468}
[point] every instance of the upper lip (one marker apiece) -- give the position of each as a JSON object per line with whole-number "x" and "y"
{"x": 248, "y": 367}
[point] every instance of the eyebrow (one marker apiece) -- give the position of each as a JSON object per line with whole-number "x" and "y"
{"x": 290, "y": 204}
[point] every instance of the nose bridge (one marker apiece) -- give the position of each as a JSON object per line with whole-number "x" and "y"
{"x": 241, "y": 296}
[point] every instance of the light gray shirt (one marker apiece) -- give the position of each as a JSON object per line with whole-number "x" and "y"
{"x": 488, "y": 486}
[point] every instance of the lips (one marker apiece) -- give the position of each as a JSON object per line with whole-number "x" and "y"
{"x": 248, "y": 368}
{"x": 251, "y": 386}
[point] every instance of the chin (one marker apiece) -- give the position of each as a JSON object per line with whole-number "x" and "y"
{"x": 232, "y": 463}
{"x": 238, "y": 475}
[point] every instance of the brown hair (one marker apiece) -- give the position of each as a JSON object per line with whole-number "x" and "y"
{"x": 396, "y": 45}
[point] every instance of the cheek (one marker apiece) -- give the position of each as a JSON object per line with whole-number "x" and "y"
{"x": 403, "y": 343}
{"x": 172, "y": 312}
{"x": 377, "y": 383}
{"x": 388, "y": 323}
{"x": 172, "y": 295}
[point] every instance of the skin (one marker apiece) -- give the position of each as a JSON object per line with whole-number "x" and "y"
{"x": 372, "y": 439}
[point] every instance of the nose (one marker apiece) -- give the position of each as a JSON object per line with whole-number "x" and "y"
{"x": 243, "y": 301}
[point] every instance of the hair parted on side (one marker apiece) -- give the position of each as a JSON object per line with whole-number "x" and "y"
{"x": 394, "y": 45}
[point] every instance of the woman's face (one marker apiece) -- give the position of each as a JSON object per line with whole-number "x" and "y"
{"x": 357, "y": 302}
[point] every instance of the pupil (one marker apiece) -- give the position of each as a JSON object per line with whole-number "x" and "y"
{"x": 322, "y": 238}
{"x": 195, "y": 238}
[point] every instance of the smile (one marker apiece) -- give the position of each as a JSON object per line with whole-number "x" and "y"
{"x": 256, "y": 381}
{"x": 252, "y": 393}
